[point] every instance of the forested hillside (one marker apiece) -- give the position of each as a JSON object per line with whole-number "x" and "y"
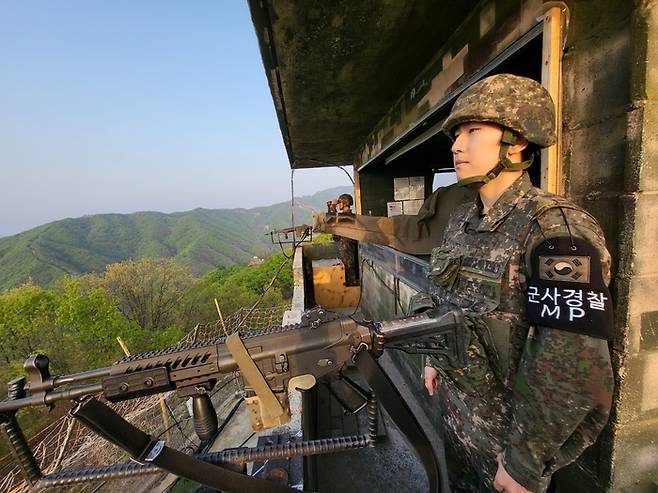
{"x": 150, "y": 303}
{"x": 199, "y": 240}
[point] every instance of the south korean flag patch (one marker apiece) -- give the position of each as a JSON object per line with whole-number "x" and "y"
{"x": 566, "y": 289}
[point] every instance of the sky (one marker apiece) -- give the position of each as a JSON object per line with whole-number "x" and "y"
{"x": 128, "y": 106}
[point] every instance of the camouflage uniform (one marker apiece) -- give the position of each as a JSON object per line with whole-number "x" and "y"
{"x": 348, "y": 253}
{"x": 348, "y": 249}
{"x": 539, "y": 393}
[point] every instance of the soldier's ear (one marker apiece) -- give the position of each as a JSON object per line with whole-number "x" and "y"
{"x": 519, "y": 147}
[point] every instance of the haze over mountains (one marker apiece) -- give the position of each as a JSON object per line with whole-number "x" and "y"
{"x": 200, "y": 239}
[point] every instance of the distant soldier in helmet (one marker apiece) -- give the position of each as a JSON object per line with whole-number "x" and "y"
{"x": 531, "y": 271}
{"x": 348, "y": 249}
{"x": 345, "y": 203}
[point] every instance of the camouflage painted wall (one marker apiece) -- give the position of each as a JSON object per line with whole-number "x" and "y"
{"x": 483, "y": 35}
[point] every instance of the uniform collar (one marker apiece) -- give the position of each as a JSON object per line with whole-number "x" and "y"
{"x": 502, "y": 208}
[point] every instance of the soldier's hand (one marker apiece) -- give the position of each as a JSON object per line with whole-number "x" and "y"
{"x": 506, "y": 483}
{"x": 431, "y": 380}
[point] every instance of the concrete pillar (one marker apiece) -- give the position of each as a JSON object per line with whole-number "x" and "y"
{"x": 610, "y": 150}
{"x": 635, "y": 443}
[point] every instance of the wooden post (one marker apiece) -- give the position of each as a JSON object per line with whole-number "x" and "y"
{"x": 221, "y": 318}
{"x": 164, "y": 412}
{"x": 357, "y": 191}
{"x": 123, "y": 345}
{"x": 552, "y": 174}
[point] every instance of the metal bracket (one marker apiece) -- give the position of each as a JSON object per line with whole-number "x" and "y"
{"x": 266, "y": 409}
{"x": 137, "y": 384}
{"x": 155, "y": 451}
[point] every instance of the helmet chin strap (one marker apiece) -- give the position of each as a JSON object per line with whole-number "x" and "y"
{"x": 504, "y": 164}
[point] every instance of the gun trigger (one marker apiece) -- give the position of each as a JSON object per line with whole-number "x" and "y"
{"x": 356, "y": 350}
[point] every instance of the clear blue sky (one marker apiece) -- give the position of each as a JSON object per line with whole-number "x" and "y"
{"x": 122, "y": 106}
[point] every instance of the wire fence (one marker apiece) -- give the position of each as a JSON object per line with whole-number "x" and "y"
{"x": 65, "y": 444}
{"x": 243, "y": 320}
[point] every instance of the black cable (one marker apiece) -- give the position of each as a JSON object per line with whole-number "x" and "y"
{"x": 358, "y": 304}
{"x": 294, "y": 245}
{"x": 392, "y": 291}
{"x": 283, "y": 252}
{"x": 550, "y": 245}
{"x": 177, "y": 424}
{"x": 346, "y": 172}
{"x": 292, "y": 203}
{"x": 247, "y": 439}
{"x": 564, "y": 216}
{"x": 224, "y": 384}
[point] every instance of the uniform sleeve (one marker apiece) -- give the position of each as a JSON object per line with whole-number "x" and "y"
{"x": 562, "y": 392}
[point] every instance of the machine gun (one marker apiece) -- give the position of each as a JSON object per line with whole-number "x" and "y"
{"x": 270, "y": 360}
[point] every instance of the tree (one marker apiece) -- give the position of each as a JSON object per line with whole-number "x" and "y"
{"x": 150, "y": 292}
{"x": 257, "y": 278}
{"x": 26, "y": 321}
{"x": 92, "y": 321}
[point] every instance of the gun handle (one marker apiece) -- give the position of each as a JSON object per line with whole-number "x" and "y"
{"x": 205, "y": 417}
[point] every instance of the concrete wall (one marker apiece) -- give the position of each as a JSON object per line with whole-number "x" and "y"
{"x": 610, "y": 84}
{"x": 485, "y": 33}
{"x": 387, "y": 281}
{"x": 610, "y": 158}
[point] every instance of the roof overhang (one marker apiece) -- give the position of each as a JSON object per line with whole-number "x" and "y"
{"x": 336, "y": 68}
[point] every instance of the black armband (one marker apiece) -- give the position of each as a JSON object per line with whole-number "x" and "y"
{"x": 566, "y": 289}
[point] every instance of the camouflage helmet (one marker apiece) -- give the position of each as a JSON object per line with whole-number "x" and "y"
{"x": 518, "y": 103}
{"x": 346, "y": 198}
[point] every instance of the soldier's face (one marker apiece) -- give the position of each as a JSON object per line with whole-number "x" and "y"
{"x": 476, "y": 147}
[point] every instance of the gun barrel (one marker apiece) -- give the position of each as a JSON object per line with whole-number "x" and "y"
{"x": 81, "y": 376}
{"x": 74, "y": 393}
{"x": 48, "y": 398}
{"x": 11, "y": 405}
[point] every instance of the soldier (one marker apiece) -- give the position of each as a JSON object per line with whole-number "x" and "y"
{"x": 345, "y": 203}
{"x": 531, "y": 272}
{"x": 348, "y": 249}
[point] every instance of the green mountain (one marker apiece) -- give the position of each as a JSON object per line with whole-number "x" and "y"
{"x": 201, "y": 239}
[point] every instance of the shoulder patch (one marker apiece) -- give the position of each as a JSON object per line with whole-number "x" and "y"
{"x": 566, "y": 289}
{"x": 565, "y": 268}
